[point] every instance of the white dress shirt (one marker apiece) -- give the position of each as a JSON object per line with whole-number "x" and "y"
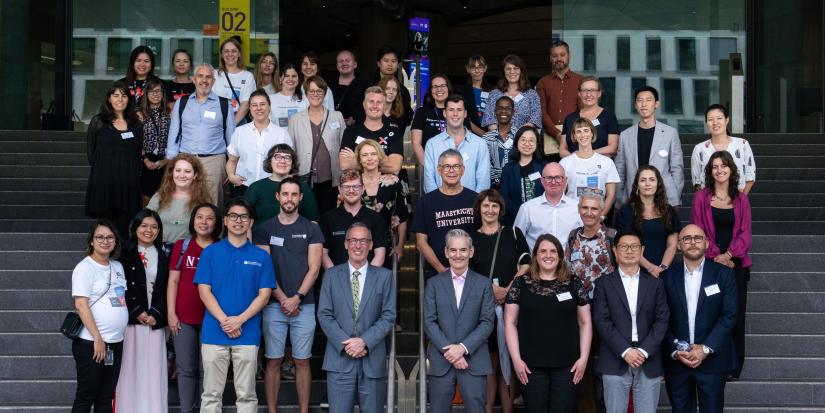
{"x": 252, "y": 146}
{"x": 631, "y": 291}
{"x": 362, "y": 277}
{"x": 693, "y": 283}
{"x": 538, "y": 216}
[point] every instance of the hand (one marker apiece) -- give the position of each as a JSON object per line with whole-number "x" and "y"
{"x": 724, "y": 260}
{"x": 634, "y": 358}
{"x": 697, "y": 355}
{"x": 142, "y": 317}
{"x": 230, "y": 324}
{"x": 654, "y": 271}
{"x": 347, "y": 153}
{"x": 290, "y": 305}
{"x": 354, "y": 346}
{"x": 174, "y": 324}
{"x": 499, "y": 294}
{"x": 461, "y": 364}
{"x": 237, "y": 180}
{"x": 99, "y": 353}
{"x": 578, "y": 369}
{"x": 686, "y": 358}
{"x": 235, "y": 333}
{"x": 453, "y": 352}
{"x": 150, "y": 321}
{"x": 394, "y": 221}
{"x": 397, "y": 252}
{"x": 521, "y": 370}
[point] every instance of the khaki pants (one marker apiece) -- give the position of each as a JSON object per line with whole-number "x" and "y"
{"x": 215, "y": 169}
{"x": 216, "y": 361}
{"x": 551, "y": 145}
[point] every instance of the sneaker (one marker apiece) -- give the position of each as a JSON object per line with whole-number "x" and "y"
{"x": 518, "y": 401}
{"x": 288, "y": 370}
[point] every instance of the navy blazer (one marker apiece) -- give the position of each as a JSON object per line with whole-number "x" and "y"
{"x": 136, "y": 299}
{"x": 511, "y": 188}
{"x": 611, "y": 317}
{"x": 469, "y": 323}
{"x": 715, "y": 317}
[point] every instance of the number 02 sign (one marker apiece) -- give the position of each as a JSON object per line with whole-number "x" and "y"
{"x": 233, "y": 20}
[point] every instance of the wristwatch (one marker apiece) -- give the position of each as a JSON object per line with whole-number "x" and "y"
{"x": 300, "y": 296}
{"x": 706, "y": 350}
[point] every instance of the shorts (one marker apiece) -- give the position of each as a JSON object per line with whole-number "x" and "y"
{"x": 301, "y": 329}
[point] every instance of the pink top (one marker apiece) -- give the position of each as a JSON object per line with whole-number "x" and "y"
{"x": 740, "y": 243}
{"x": 458, "y": 285}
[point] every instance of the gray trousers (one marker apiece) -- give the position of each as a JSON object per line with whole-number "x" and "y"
{"x": 645, "y": 391}
{"x": 345, "y": 390}
{"x": 473, "y": 391}
{"x": 189, "y": 367}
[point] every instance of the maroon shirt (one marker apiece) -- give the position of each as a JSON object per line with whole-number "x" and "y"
{"x": 559, "y": 97}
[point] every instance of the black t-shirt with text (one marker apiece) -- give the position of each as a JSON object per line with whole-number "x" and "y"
{"x": 389, "y": 137}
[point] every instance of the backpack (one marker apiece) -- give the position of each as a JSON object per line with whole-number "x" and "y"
{"x": 224, "y": 102}
{"x": 182, "y": 252}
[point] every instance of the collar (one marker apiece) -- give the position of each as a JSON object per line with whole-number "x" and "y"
{"x": 362, "y": 270}
{"x": 566, "y": 75}
{"x": 599, "y": 232}
{"x": 229, "y": 247}
{"x": 631, "y": 276}
{"x": 342, "y": 211}
{"x": 468, "y": 135}
{"x": 463, "y": 275}
{"x": 563, "y": 201}
{"x": 700, "y": 268}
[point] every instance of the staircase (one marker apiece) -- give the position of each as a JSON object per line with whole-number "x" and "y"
{"x": 42, "y": 181}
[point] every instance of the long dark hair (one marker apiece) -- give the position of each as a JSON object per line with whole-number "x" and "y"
{"x": 132, "y": 245}
{"x": 659, "y": 200}
{"x": 130, "y": 71}
{"x": 144, "y": 107}
{"x": 216, "y": 230}
{"x": 90, "y": 238}
{"x": 523, "y": 80}
{"x": 733, "y": 183}
{"x": 107, "y": 112}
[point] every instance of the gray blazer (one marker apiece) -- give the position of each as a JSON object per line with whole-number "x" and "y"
{"x": 376, "y": 318}
{"x": 665, "y": 155}
{"x": 301, "y": 132}
{"x": 470, "y": 323}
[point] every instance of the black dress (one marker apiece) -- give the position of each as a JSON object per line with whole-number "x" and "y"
{"x": 392, "y": 199}
{"x": 114, "y": 157}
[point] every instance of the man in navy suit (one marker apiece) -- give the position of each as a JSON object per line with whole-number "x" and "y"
{"x": 702, "y": 299}
{"x": 459, "y": 313}
{"x": 631, "y": 315}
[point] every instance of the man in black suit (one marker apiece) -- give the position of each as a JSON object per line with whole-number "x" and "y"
{"x": 631, "y": 316}
{"x": 702, "y": 299}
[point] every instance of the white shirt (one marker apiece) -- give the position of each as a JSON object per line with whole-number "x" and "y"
{"x": 594, "y": 172}
{"x": 537, "y": 216}
{"x": 631, "y": 290}
{"x": 282, "y": 107}
{"x": 150, "y": 268}
{"x": 243, "y": 82}
{"x": 693, "y": 283}
{"x": 740, "y": 151}
{"x": 329, "y": 103}
{"x": 362, "y": 277}
{"x": 252, "y": 146}
{"x": 90, "y": 279}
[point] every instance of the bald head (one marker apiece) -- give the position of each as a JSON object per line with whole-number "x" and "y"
{"x": 692, "y": 243}
{"x": 691, "y": 229}
{"x": 554, "y": 181}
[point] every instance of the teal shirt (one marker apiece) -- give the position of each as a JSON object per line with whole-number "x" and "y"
{"x": 261, "y": 195}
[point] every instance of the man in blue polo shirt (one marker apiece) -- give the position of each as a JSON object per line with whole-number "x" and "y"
{"x": 203, "y": 128}
{"x": 235, "y": 280}
{"x": 473, "y": 149}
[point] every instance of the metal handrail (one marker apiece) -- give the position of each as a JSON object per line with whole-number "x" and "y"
{"x": 422, "y": 354}
{"x": 392, "y": 362}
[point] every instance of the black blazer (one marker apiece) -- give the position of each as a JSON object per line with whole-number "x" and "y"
{"x": 136, "y": 300}
{"x": 715, "y": 317}
{"x": 611, "y": 317}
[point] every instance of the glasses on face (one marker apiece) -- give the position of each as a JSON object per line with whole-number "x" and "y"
{"x": 453, "y": 167}
{"x": 629, "y": 247}
{"x": 359, "y": 241}
{"x": 552, "y": 179}
{"x": 104, "y": 239}
{"x": 282, "y": 157}
{"x": 444, "y": 86}
{"x": 238, "y": 217}
{"x": 315, "y": 92}
{"x": 589, "y": 91}
{"x": 694, "y": 239}
{"x": 353, "y": 187}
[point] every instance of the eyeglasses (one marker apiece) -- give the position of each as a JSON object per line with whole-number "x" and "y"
{"x": 629, "y": 247}
{"x": 589, "y": 91}
{"x": 354, "y": 187}
{"x": 238, "y": 217}
{"x": 282, "y": 157}
{"x": 448, "y": 167}
{"x": 315, "y": 92}
{"x": 359, "y": 241}
{"x": 444, "y": 86}
{"x": 694, "y": 239}
{"x": 104, "y": 239}
{"x": 552, "y": 179}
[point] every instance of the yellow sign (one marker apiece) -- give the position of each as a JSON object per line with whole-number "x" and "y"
{"x": 234, "y": 20}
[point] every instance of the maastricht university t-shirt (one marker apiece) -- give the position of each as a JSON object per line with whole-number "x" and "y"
{"x": 438, "y": 213}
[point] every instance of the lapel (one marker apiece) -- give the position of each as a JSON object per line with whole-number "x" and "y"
{"x": 644, "y": 284}
{"x": 632, "y": 147}
{"x": 464, "y": 292}
{"x": 708, "y": 278}
{"x": 679, "y": 281}
{"x": 368, "y": 287}
{"x": 448, "y": 280}
{"x": 619, "y": 288}
{"x": 346, "y": 280}
{"x": 658, "y": 141}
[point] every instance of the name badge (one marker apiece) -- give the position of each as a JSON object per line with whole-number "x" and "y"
{"x": 127, "y": 135}
{"x": 663, "y": 153}
{"x": 276, "y": 241}
{"x": 334, "y": 125}
{"x": 466, "y": 156}
{"x": 359, "y": 139}
{"x": 576, "y": 256}
{"x": 518, "y": 98}
{"x": 495, "y": 282}
{"x": 485, "y": 95}
{"x": 534, "y": 176}
{"x": 712, "y": 290}
{"x": 564, "y": 296}
{"x": 596, "y": 122}
{"x": 208, "y": 114}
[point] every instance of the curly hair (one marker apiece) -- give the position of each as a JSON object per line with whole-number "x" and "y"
{"x": 727, "y": 160}
{"x": 199, "y": 193}
{"x": 660, "y": 204}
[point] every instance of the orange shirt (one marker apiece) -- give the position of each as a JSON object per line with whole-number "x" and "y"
{"x": 559, "y": 97}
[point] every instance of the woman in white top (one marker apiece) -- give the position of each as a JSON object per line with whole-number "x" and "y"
{"x": 290, "y": 99}
{"x": 142, "y": 387}
{"x": 717, "y": 119}
{"x": 232, "y": 81}
{"x": 267, "y": 75}
{"x": 99, "y": 292}
{"x": 183, "y": 186}
{"x": 585, "y": 168}
{"x": 249, "y": 144}
{"x": 309, "y": 68}
{"x": 317, "y": 133}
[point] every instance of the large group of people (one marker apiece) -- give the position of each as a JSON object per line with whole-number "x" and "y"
{"x": 550, "y": 239}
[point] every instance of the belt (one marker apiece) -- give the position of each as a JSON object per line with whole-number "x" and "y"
{"x": 206, "y": 155}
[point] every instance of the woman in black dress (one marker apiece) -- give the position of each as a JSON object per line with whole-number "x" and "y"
{"x": 502, "y": 254}
{"x": 548, "y": 328}
{"x": 113, "y": 147}
{"x": 154, "y": 113}
{"x": 385, "y": 194}
{"x": 141, "y": 68}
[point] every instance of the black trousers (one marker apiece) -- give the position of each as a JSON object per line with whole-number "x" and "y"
{"x": 95, "y": 381}
{"x": 549, "y": 390}
{"x": 688, "y": 389}
{"x": 743, "y": 275}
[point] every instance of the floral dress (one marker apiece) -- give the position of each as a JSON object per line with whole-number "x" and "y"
{"x": 391, "y": 202}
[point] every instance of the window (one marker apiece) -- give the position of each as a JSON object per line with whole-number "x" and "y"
{"x": 608, "y": 99}
{"x": 623, "y": 53}
{"x": 117, "y": 55}
{"x": 185, "y": 44}
{"x": 687, "y": 55}
{"x": 157, "y": 48}
{"x": 83, "y": 55}
{"x": 211, "y": 46}
{"x": 691, "y": 126}
{"x": 589, "y": 45}
{"x": 721, "y": 48}
{"x": 702, "y": 94}
{"x": 654, "y": 54}
{"x": 673, "y": 96}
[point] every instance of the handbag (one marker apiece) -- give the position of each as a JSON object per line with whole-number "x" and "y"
{"x": 72, "y": 324}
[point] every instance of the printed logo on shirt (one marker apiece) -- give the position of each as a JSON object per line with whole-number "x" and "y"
{"x": 255, "y": 263}
{"x": 191, "y": 262}
{"x": 303, "y": 236}
{"x": 454, "y": 217}
{"x": 339, "y": 233}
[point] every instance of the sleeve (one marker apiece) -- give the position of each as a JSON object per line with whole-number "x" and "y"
{"x": 154, "y": 202}
{"x": 482, "y": 161}
{"x": 675, "y": 221}
{"x": 329, "y": 101}
{"x": 267, "y": 278}
{"x": 91, "y": 138}
{"x": 175, "y": 256}
{"x": 326, "y": 316}
{"x": 308, "y": 208}
{"x": 486, "y": 322}
{"x": 315, "y": 235}
{"x": 748, "y": 162}
{"x": 612, "y": 172}
{"x": 380, "y": 328}
{"x": 203, "y": 274}
{"x": 535, "y": 108}
{"x": 326, "y": 231}
{"x": 489, "y": 117}
{"x": 521, "y": 247}
{"x": 652, "y": 343}
{"x": 348, "y": 141}
{"x": 522, "y": 221}
{"x": 230, "y": 121}
{"x": 430, "y": 161}
{"x": 251, "y": 195}
{"x": 232, "y": 148}
{"x": 582, "y": 296}
{"x": 514, "y": 295}
{"x": 431, "y": 326}
{"x": 677, "y": 170}
{"x": 567, "y": 125}
{"x": 418, "y": 224}
{"x": 418, "y": 118}
{"x": 379, "y": 230}
{"x": 621, "y": 166}
{"x": 402, "y": 201}
{"x": 741, "y": 242}
{"x": 603, "y": 323}
{"x": 697, "y": 175}
{"x": 721, "y": 332}
{"x": 544, "y": 101}
{"x": 82, "y": 280}
{"x": 172, "y": 145}
{"x": 396, "y": 146}
{"x": 248, "y": 87}
{"x": 697, "y": 210}
{"x": 507, "y": 183}
{"x": 611, "y": 123}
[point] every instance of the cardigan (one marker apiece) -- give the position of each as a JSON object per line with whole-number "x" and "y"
{"x": 511, "y": 188}
{"x": 702, "y": 215}
{"x": 136, "y": 299}
{"x": 301, "y": 132}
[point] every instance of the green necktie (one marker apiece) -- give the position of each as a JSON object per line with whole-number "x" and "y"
{"x": 356, "y": 291}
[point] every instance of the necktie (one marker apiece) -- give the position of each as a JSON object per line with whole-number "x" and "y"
{"x": 143, "y": 259}
{"x": 356, "y": 291}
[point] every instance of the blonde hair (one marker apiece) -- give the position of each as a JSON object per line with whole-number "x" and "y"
{"x": 276, "y": 74}
{"x": 397, "y": 109}
{"x": 378, "y": 150}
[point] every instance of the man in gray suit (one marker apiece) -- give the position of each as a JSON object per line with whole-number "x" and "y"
{"x": 356, "y": 311}
{"x": 650, "y": 142}
{"x": 458, "y": 317}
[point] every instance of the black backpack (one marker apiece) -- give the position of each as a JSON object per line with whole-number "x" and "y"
{"x": 224, "y": 102}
